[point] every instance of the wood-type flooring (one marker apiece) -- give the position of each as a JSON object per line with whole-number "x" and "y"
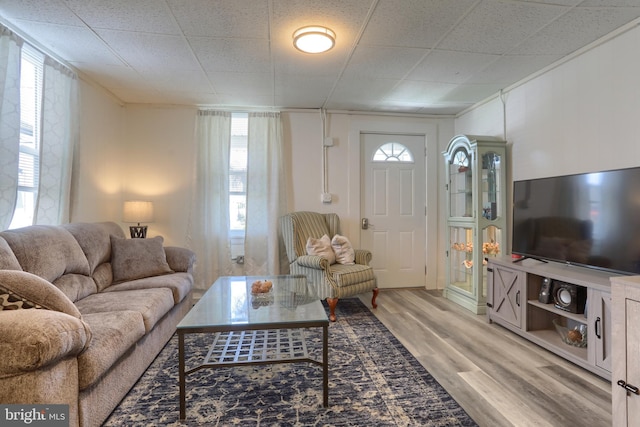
{"x": 499, "y": 378}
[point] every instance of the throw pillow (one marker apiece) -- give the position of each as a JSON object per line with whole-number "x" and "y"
{"x": 321, "y": 247}
{"x": 137, "y": 258}
{"x": 22, "y": 290}
{"x": 343, "y": 250}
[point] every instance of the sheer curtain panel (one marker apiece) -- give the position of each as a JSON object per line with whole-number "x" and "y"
{"x": 59, "y": 136}
{"x": 10, "y": 46}
{"x": 208, "y": 231}
{"x": 266, "y": 194}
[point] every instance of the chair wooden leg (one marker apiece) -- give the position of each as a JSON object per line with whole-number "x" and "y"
{"x": 333, "y": 302}
{"x": 373, "y": 299}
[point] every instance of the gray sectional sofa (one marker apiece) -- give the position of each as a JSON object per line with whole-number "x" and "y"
{"x": 83, "y": 313}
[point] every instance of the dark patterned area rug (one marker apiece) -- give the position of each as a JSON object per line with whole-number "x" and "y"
{"x": 373, "y": 381}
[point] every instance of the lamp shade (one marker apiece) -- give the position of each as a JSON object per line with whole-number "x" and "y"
{"x": 314, "y": 39}
{"x": 137, "y": 211}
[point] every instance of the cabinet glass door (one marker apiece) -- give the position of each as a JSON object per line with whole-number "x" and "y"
{"x": 491, "y": 186}
{"x": 461, "y": 182}
{"x": 461, "y": 258}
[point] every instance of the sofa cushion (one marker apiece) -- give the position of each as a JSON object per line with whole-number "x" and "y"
{"x": 21, "y": 290}
{"x": 33, "y": 339}
{"x": 151, "y": 303}
{"x": 47, "y": 251}
{"x": 347, "y": 275}
{"x": 321, "y": 247}
{"x": 8, "y": 260}
{"x": 137, "y": 258}
{"x": 76, "y": 286}
{"x": 343, "y": 250}
{"x": 179, "y": 283}
{"x": 114, "y": 334}
{"x": 94, "y": 240}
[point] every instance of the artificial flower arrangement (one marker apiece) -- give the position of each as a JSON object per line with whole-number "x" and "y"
{"x": 488, "y": 248}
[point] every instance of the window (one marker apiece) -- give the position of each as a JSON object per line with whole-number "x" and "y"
{"x": 393, "y": 152}
{"x": 238, "y": 183}
{"x": 29, "y": 158}
{"x": 238, "y": 174}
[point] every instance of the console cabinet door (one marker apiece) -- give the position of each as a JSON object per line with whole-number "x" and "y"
{"x": 599, "y": 328}
{"x": 626, "y": 351}
{"x": 507, "y": 295}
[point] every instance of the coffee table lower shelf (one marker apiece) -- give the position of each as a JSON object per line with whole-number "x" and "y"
{"x": 254, "y": 347}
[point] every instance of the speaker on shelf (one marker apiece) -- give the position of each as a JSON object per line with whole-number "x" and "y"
{"x": 569, "y": 297}
{"x": 545, "y": 295}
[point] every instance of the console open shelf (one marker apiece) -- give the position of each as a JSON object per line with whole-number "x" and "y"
{"x": 513, "y": 289}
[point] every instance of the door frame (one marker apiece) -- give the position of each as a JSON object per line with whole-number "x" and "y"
{"x": 398, "y": 125}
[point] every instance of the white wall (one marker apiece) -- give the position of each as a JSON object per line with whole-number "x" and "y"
{"x": 159, "y": 164}
{"x": 581, "y": 116}
{"x": 98, "y": 166}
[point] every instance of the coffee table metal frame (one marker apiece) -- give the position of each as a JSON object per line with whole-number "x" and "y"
{"x": 264, "y": 343}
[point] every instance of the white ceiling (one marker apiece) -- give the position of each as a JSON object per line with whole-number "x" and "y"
{"x": 409, "y": 56}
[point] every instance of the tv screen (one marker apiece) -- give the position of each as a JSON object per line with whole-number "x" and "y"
{"x": 590, "y": 219}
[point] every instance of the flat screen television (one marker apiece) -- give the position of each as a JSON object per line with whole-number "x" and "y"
{"x": 590, "y": 220}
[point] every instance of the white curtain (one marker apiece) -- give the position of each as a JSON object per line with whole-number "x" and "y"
{"x": 10, "y": 46}
{"x": 266, "y": 194}
{"x": 59, "y": 136}
{"x": 208, "y": 231}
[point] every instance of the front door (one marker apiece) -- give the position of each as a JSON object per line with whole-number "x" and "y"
{"x": 393, "y": 207}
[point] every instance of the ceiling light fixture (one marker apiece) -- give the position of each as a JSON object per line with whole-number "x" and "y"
{"x": 314, "y": 39}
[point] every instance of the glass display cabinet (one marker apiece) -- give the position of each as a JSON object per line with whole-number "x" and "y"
{"x": 476, "y": 215}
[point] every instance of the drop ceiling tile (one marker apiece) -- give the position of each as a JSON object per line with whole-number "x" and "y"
{"x": 193, "y": 98}
{"x": 512, "y": 68}
{"x": 232, "y": 55}
{"x": 414, "y": 23}
{"x": 248, "y": 101}
{"x": 451, "y": 67}
{"x": 383, "y": 62}
{"x": 50, "y": 11}
{"x": 363, "y": 89}
{"x": 115, "y": 76}
{"x": 149, "y": 16}
{"x": 471, "y": 93}
{"x": 609, "y": 3}
{"x": 483, "y": 31}
{"x": 334, "y": 14}
{"x": 420, "y": 92}
{"x": 243, "y": 83}
{"x": 73, "y": 44}
{"x": 183, "y": 80}
{"x": 576, "y": 29}
{"x": 222, "y": 18}
{"x": 289, "y": 60}
{"x": 301, "y": 92}
{"x": 446, "y": 109}
{"x": 144, "y": 51}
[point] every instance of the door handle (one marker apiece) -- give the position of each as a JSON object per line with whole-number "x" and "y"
{"x": 365, "y": 223}
{"x": 630, "y": 388}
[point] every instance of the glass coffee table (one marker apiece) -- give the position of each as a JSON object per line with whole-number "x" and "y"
{"x": 255, "y": 329}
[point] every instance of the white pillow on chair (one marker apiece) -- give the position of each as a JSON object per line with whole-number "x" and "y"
{"x": 343, "y": 250}
{"x": 321, "y": 247}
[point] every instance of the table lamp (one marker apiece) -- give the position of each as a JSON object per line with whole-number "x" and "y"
{"x": 137, "y": 211}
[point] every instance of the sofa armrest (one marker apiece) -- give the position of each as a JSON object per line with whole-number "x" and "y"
{"x": 180, "y": 259}
{"x": 363, "y": 256}
{"x": 313, "y": 261}
{"x": 31, "y": 339}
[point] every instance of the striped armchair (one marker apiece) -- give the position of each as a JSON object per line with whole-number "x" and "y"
{"x": 331, "y": 281}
